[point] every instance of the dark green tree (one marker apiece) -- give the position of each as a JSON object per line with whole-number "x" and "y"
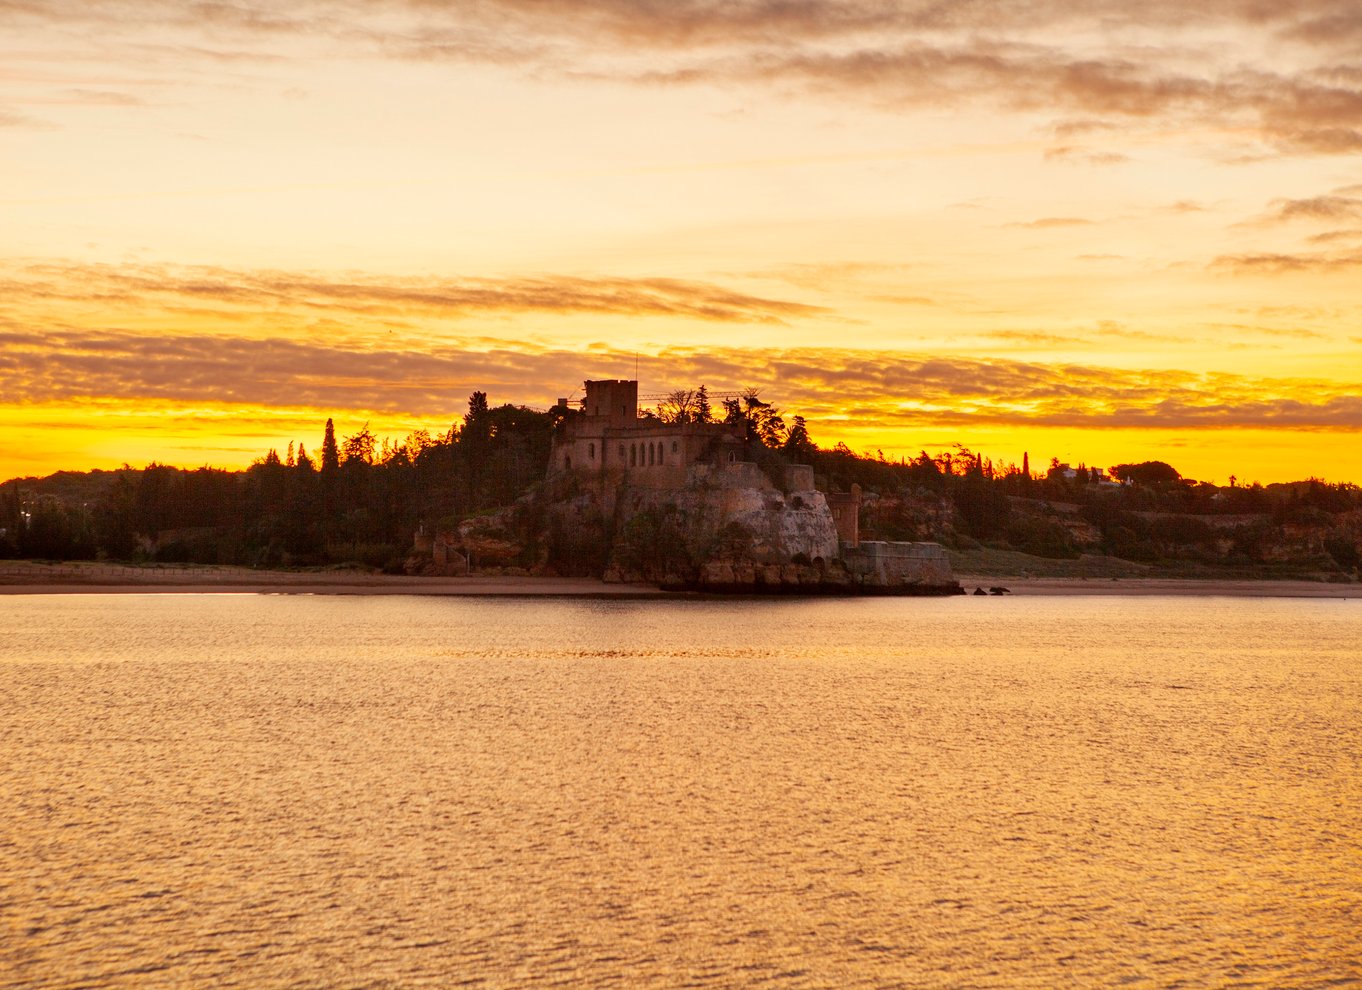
{"x": 798, "y": 444}
{"x": 359, "y": 447}
{"x": 1152, "y": 473}
{"x": 330, "y": 452}
{"x": 763, "y": 420}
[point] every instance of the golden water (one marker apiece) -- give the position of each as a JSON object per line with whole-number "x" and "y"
{"x": 261, "y": 791}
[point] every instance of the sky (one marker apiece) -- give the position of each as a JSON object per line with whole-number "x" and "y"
{"x": 1102, "y": 232}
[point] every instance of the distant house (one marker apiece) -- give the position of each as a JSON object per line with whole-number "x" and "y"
{"x": 1086, "y": 475}
{"x": 606, "y": 441}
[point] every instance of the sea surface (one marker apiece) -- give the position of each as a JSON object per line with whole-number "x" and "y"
{"x": 280, "y": 791}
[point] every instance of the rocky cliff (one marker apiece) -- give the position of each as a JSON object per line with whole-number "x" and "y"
{"x": 732, "y": 513}
{"x": 731, "y": 528}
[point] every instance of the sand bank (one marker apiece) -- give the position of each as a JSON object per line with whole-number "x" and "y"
{"x": 27, "y": 578}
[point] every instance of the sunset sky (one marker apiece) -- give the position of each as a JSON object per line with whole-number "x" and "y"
{"x": 1103, "y": 231}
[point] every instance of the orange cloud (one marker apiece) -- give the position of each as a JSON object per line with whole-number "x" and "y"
{"x": 1034, "y": 57}
{"x": 1317, "y": 208}
{"x": 164, "y": 285}
{"x": 1268, "y": 263}
{"x": 889, "y": 389}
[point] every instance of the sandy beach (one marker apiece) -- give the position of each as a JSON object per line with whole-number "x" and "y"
{"x": 33, "y": 578}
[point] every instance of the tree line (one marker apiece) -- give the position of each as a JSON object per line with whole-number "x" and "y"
{"x": 360, "y": 499}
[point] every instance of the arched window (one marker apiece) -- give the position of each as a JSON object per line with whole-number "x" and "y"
{"x": 591, "y": 451}
{"x": 675, "y": 446}
{"x": 652, "y": 455}
{"x": 567, "y": 461}
{"x": 621, "y": 453}
{"x": 633, "y": 455}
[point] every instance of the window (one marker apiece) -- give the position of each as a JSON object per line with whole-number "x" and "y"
{"x": 567, "y": 461}
{"x": 675, "y": 446}
{"x": 591, "y": 451}
{"x": 633, "y": 455}
{"x": 621, "y": 453}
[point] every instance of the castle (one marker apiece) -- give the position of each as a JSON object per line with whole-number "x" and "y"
{"x": 606, "y": 441}
{"x": 736, "y": 527}
{"x": 693, "y": 505}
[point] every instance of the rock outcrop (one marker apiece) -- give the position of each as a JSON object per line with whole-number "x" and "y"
{"x": 732, "y": 528}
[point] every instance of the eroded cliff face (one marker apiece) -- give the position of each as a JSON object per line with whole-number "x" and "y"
{"x": 730, "y": 528}
{"x": 736, "y": 516}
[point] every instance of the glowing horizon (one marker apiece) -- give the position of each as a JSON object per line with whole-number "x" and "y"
{"x": 1072, "y": 230}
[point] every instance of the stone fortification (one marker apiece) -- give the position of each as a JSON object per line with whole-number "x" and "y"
{"x": 893, "y": 565}
{"x": 732, "y": 530}
{"x": 693, "y": 505}
{"x": 872, "y": 568}
{"x": 607, "y": 443}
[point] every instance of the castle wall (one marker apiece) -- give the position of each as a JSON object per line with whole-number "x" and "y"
{"x": 614, "y": 402}
{"x": 799, "y": 478}
{"x": 887, "y": 565}
{"x": 606, "y": 442}
{"x": 647, "y": 454}
{"x": 846, "y": 514}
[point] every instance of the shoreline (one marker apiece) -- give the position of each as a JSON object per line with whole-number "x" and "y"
{"x": 29, "y": 578}
{"x": 1175, "y": 587}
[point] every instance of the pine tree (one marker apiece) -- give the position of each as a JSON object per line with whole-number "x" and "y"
{"x": 703, "y": 413}
{"x": 798, "y": 444}
{"x": 330, "y": 452}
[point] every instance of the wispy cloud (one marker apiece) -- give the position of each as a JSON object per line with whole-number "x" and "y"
{"x": 225, "y": 289}
{"x": 100, "y": 97}
{"x": 1269, "y": 263}
{"x": 1331, "y": 236}
{"x": 1150, "y": 64}
{"x": 1331, "y": 208}
{"x": 12, "y": 118}
{"x": 1046, "y": 223}
{"x": 1084, "y": 156}
{"x": 902, "y": 389}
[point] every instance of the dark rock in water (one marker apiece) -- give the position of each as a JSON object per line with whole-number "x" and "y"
{"x": 999, "y": 591}
{"x": 980, "y": 591}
